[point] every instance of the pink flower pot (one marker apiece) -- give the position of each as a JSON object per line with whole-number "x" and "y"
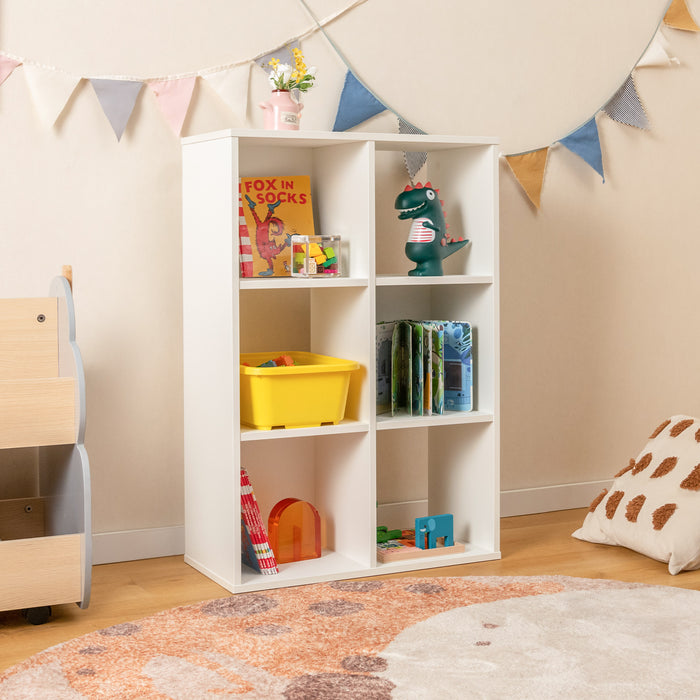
{"x": 281, "y": 111}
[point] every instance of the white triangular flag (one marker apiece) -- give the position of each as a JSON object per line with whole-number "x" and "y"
{"x": 50, "y": 91}
{"x": 658, "y": 53}
{"x": 231, "y": 85}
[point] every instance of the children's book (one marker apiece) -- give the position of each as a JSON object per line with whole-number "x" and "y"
{"x": 401, "y": 368}
{"x": 437, "y": 359}
{"x": 256, "y": 551}
{"x": 427, "y": 369}
{"x": 417, "y": 376}
{"x": 458, "y": 366}
{"x": 385, "y": 330}
{"x": 273, "y": 208}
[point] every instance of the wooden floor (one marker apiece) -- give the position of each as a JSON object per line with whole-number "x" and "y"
{"x": 531, "y": 545}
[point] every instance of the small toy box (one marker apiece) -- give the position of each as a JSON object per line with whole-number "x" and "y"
{"x": 315, "y": 256}
{"x": 311, "y": 392}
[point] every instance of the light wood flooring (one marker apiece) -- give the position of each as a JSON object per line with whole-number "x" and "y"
{"x": 531, "y": 545}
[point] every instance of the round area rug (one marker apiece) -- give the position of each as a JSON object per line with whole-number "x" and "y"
{"x": 472, "y": 637}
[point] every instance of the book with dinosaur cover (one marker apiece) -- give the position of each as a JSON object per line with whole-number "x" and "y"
{"x": 271, "y": 210}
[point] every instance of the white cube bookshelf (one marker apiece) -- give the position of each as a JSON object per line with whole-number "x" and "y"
{"x": 347, "y": 470}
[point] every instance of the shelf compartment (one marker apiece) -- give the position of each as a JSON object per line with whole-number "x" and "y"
{"x": 450, "y": 468}
{"x": 466, "y": 176}
{"x": 330, "y": 472}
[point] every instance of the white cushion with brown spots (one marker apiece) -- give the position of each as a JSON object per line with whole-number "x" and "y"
{"x": 653, "y": 506}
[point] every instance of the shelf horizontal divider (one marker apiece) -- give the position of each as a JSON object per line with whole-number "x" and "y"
{"x": 407, "y": 280}
{"x": 330, "y": 566}
{"x": 302, "y": 282}
{"x": 386, "y": 421}
{"x": 472, "y": 554}
{"x": 345, "y": 426}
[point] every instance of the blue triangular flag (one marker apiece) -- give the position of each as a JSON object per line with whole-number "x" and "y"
{"x": 117, "y": 98}
{"x": 357, "y": 104}
{"x": 585, "y": 142}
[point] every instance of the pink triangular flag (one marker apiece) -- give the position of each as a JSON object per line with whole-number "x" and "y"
{"x": 7, "y": 65}
{"x": 173, "y": 98}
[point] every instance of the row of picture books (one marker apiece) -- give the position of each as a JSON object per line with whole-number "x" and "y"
{"x": 424, "y": 368}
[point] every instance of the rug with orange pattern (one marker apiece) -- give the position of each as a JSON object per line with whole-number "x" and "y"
{"x": 467, "y": 637}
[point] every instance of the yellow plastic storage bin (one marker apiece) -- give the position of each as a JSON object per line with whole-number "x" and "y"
{"x": 312, "y": 392}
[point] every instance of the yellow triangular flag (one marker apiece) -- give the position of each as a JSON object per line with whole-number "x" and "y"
{"x": 528, "y": 169}
{"x": 679, "y": 17}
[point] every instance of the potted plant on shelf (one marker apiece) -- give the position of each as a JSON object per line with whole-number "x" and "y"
{"x": 282, "y": 111}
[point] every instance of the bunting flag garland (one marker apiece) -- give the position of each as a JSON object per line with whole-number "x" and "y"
{"x": 585, "y": 142}
{"x": 357, "y": 104}
{"x": 626, "y": 107}
{"x": 528, "y": 169}
{"x": 7, "y": 65}
{"x": 173, "y": 98}
{"x": 232, "y": 87}
{"x": 50, "y": 91}
{"x": 678, "y": 16}
{"x": 117, "y": 98}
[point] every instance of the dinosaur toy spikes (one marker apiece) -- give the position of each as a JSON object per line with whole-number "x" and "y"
{"x": 428, "y": 242}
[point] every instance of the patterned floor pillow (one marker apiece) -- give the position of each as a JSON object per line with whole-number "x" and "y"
{"x": 653, "y": 506}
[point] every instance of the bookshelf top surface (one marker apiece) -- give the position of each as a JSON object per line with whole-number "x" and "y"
{"x": 397, "y": 142}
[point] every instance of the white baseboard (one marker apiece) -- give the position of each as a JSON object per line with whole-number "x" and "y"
{"x": 127, "y": 545}
{"x": 544, "y": 499}
{"x": 110, "y": 547}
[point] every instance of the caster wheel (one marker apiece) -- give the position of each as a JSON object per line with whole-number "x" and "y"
{"x": 37, "y": 616}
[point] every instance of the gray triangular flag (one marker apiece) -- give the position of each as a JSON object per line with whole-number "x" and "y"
{"x": 414, "y": 160}
{"x": 283, "y": 53}
{"x": 625, "y": 106}
{"x": 117, "y": 98}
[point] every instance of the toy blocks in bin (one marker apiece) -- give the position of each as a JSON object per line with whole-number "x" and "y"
{"x": 315, "y": 256}
{"x": 311, "y": 392}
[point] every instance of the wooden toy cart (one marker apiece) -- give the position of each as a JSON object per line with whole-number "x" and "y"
{"x": 45, "y": 519}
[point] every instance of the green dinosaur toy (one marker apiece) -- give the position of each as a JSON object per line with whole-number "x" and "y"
{"x": 428, "y": 242}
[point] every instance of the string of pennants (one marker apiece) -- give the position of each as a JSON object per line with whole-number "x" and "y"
{"x": 624, "y": 107}
{"x": 52, "y": 88}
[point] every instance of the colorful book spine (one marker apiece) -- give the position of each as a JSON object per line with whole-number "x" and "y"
{"x": 245, "y": 249}
{"x": 264, "y": 558}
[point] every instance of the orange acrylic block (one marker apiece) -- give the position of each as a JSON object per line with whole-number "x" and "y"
{"x": 294, "y": 529}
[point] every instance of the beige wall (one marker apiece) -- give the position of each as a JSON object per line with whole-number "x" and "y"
{"x": 599, "y": 288}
